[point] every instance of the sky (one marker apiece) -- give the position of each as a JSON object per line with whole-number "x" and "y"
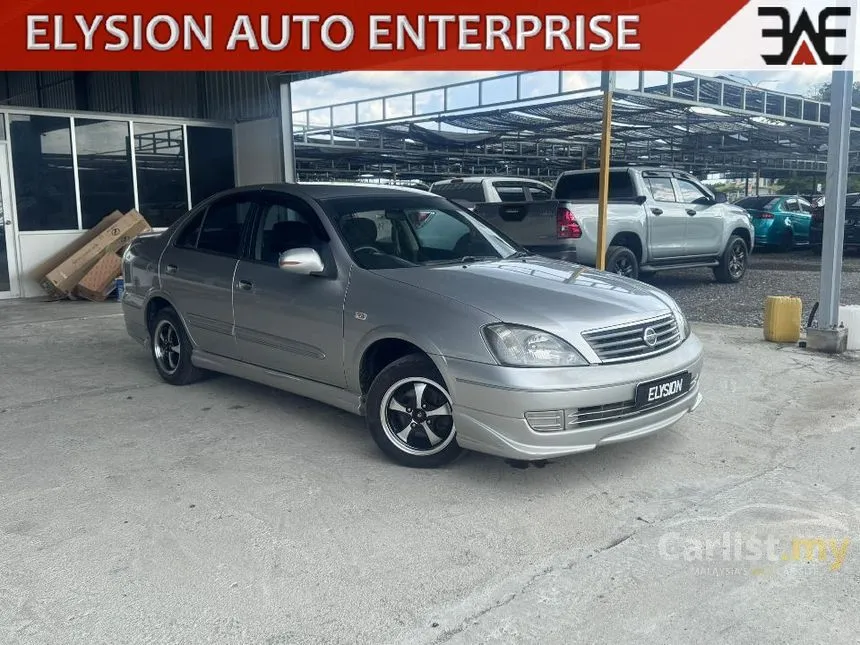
{"x": 351, "y": 86}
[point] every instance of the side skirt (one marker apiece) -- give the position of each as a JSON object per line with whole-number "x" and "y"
{"x": 303, "y": 387}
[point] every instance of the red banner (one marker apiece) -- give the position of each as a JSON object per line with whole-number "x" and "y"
{"x": 296, "y": 36}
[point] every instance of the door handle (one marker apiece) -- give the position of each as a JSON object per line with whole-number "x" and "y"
{"x": 171, "y": 268}
{"x": 657, "y": 211}
{"x": 690, "y": 212}
{"x": 244, "y": 285}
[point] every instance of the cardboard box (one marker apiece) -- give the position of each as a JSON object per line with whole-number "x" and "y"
{"x": 100, "y": 280}
{"x": 55, "y": 260}
{"x": 116, "y": 235}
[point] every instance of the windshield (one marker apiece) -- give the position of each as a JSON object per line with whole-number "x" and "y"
{"x": 406, "y": 231}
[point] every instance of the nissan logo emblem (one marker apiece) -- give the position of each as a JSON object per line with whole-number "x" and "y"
{"x": 649, "y": 336}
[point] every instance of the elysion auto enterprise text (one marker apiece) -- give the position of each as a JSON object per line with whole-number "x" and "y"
{"x": 334, "y": 32}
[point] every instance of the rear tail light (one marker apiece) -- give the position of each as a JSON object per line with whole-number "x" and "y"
{"x": 566, "y": 225}
{"x": 764, "y": 216}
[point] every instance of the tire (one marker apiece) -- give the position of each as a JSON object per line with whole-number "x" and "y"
{"x": 734, "y": 262}
{"x": 424, "y": 441}
{"x": 171, "y": 348}
{"x": 621, "y": 260}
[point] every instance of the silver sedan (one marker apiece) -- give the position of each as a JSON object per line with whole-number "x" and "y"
{"x": 402, "y": 307}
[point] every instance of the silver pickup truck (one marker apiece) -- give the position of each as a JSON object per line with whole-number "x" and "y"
{"x": 658, "y": 219}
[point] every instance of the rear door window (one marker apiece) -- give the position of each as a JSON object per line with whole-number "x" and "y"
{"x": 586, "y": 186}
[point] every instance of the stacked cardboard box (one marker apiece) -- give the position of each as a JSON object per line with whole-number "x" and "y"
{"x": 88, "y": 268}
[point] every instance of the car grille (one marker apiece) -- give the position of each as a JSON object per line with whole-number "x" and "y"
{"x": 584, "y": 417}
{"x": 575, "y": 418}
{"x": 627, "y": 342}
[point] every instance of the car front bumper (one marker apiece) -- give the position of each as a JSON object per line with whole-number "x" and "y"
{"x": 491, "y": 403}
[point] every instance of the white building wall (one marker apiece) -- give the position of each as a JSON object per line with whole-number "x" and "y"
{"x": 257, "y": 146}
{"x": 35, "y": 251}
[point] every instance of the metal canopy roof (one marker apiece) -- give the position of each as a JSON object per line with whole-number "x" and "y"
{"x": 703, "y": 124}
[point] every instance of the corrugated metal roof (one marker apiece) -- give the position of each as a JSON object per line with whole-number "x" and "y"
{"x": 217, "y": 96}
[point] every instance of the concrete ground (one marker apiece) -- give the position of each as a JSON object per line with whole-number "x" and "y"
{"x": 226, "y": 512}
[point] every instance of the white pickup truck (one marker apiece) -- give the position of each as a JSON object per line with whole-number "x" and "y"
{"x": 658, "y": 219}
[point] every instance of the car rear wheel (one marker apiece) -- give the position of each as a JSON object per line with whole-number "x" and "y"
{"x": 171, "y": 349}
{"x": 621, "y": 260}
{"x": 410, "y": 414}
{"x": 733, "y": 264}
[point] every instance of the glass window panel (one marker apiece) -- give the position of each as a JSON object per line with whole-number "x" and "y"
{"x": 223, "y": 225}
{"x": 104, "y": 169}
{"x": 44, "y": 176}
{"x": 162, "y": 191}
{"x": 210, "y": 161}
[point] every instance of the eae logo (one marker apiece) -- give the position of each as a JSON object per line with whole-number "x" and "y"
{"x": 795, "y": 49}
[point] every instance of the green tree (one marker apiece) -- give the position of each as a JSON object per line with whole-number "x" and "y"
{"x": 822, "y": 93}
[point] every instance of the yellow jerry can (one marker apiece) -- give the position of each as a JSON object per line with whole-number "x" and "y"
{"x": 782, "y": 319}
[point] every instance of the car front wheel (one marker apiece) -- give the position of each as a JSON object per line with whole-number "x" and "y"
{"x": 733, "y": 264}
{"x": 410, "y": 414}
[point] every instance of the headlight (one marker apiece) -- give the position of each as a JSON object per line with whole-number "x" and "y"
{"x": 681, "y": 319}
{"x": 526, "y": 347}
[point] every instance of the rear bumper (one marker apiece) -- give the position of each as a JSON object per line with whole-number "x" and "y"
{"x": 560, "y": 251}
{"x": 491, "y": 403}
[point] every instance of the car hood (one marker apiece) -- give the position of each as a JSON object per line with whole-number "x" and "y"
{"x": 555, "y": 296}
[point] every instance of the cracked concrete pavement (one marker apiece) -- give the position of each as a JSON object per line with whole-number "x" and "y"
{"x": 227, "y": 512}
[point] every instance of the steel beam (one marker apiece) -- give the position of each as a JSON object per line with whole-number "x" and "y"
{"x": 287, "y": 143}
{"x": 834, "y": 205}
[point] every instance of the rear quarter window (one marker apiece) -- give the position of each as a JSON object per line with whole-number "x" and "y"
{"x": 586, "y": 186}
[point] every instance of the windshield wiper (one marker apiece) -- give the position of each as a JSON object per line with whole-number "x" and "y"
{"x": 466, "y": 259}
{"x": 520, "y": 254}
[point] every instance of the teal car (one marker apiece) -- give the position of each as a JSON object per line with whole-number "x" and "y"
{"x": 780, "y": 221}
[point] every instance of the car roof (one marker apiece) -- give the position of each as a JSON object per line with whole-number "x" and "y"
{"x": 586, "y": 171}
{"x": 331, "y": 190}
{"x": 470, "y": 179}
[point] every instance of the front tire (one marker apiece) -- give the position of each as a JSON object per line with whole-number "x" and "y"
{"x": 171, "y": 349}
{"x": 410, "y": 414}
{"x": 622, "y": 261}
{"x": 733, "y": 264}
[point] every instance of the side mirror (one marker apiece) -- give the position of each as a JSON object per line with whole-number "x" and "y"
{"x": 721, "y": 198}
{"x": 304, "y": 261}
